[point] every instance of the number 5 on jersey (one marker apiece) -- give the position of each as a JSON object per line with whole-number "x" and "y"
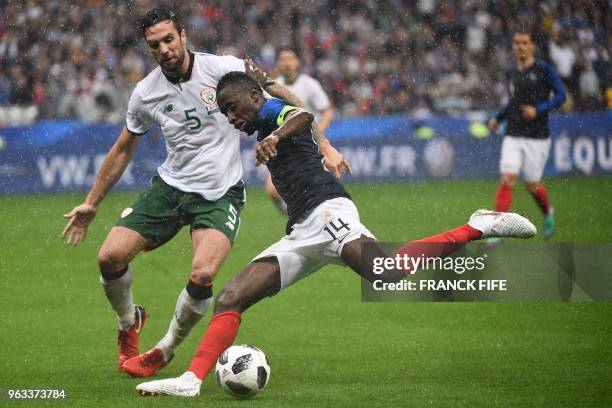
{"x": 193, "y": 122}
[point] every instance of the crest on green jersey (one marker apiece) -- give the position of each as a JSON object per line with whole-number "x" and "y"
{"x": 209, "y": 97}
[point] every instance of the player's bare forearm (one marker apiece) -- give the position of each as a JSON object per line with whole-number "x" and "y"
{"x": 335, "y": 161}
{"x": 274, "y": 89}
{"x": 115, "y": 163}
{"x": 280, "y": 92}
{"x": 295, "y": 124}
{"x": 319, "y": 136}
{"x": 326, "y": 118}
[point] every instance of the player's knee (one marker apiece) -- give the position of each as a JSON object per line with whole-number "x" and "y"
{"x": 111, "y": 261}
{"x": 228, "y": 299}
{"x": 203, "y": 275}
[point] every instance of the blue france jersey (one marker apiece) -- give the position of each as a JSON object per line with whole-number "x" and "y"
{"x": 532, "y": 86}
{"x": 297, "y": 170}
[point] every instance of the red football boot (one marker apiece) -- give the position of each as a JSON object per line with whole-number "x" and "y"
{"x": 128, "y": 339}
{"x": 147, "y": 364}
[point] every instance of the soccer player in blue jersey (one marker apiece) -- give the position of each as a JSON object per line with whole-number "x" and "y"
{"x": 323, "y": 227}
{"x": 526, "y": 146}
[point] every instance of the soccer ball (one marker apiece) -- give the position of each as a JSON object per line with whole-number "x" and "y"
{"x": 243, "y": 371}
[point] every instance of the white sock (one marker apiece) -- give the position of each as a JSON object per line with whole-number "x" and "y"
{"x": 187, "y": 314}
{"x": 119, "y": 294}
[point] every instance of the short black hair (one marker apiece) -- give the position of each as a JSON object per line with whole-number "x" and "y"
{"x": 158, "y": 15}
{"x": 239, "y": 79}
{"x": 523, "y": 29}
{"x": 288, "y": 49}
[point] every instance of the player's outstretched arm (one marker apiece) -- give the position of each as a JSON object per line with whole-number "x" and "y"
{"x": 297, "y": 121}
{"x": 280, "y": 92}
{"x": 115, "y": 163}
{"x": 269, "y": 85}
{"x": 558, "y": 98}
{"x": 334, "y": 160}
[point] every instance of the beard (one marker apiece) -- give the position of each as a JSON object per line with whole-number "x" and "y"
{"x": 173, "y": 67}
{"x": 289, "y": 75}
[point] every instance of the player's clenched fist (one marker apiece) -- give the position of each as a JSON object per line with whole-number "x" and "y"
{"x": 266, "y": 149}
{"x": 80, "y": 218}
{"x": 493, "y": 124}
{"x": 529, "y": 112}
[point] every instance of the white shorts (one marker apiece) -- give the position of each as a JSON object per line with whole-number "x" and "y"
{"x": 524, "y": 154}
{"x": 316, "y": 241}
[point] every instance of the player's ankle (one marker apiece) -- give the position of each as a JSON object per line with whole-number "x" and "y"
{"x": 194, "y": 374}
{"x": 126, "y": 325}
{"x": 166, "y": 351}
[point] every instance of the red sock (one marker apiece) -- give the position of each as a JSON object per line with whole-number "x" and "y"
{"x": 540, "y": 195}
{"x": 503, "y": 199}
{"x": 220, "y": 334}
{"x": 460, "y": 235}
{"x": 440, "y": 245}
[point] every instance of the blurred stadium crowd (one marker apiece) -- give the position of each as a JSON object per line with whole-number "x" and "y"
{"x": 420, "y": 57}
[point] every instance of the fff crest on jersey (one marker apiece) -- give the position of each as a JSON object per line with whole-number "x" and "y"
{"x": 209, "y": 97}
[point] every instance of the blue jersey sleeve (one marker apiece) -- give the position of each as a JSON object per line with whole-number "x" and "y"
{"x": 272, "y": 113}
{"x": 557, "y": 89}
{"x": 503, "y": 114}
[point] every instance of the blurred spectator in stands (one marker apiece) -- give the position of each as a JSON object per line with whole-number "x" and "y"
{"x": 22, "y": 86}
{"x": 600, "y": 59}
{"x": 564, "y": 57}
{"x": 372, "y": 57}
{"x": 590, "y": 95}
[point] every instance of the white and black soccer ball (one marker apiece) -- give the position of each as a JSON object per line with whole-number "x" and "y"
{"x": 243, "y": 371}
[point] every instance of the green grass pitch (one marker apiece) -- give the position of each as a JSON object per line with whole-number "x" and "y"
{"x": 326, "y": 348}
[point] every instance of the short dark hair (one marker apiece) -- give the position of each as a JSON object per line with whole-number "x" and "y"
{"x": 239, "y": 79}
{"x": 158, "y": 15}
{"x": 523, "y": 29}
{"x": 288, "y": 49}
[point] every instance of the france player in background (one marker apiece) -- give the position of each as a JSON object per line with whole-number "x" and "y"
{"x": 526, "y": 146}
